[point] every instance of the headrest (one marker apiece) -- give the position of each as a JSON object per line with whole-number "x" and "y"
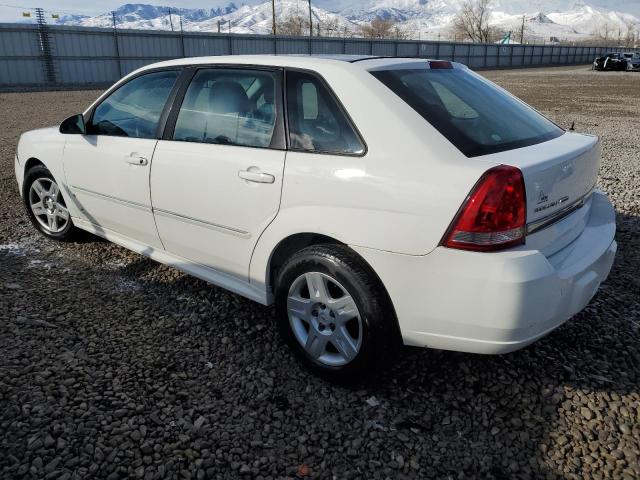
{"x": 228, "y": 97}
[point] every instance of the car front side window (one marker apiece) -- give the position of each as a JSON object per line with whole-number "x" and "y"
{"x": 228, "y": 107}
{"x": 316, "y": 121}
{"x": 134, "y": 109}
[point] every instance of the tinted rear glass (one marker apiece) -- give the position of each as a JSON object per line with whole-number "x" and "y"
{"x": 472, "y": 113}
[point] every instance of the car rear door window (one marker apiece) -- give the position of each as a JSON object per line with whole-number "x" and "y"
{"x": 473, "y": 114}
{"x": 229, "y": 107}
{"x": 134, "y": 109}
{"x": 317, "y": 123}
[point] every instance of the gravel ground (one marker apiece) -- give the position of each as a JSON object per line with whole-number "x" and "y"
{"x": 113, "y": 366}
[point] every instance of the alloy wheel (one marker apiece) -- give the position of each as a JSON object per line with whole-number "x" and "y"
{"x": 325, "y": 319}
{"x": 48, "y": 206}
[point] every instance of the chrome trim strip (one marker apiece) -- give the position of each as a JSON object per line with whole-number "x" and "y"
{"x": 559, "y": 215}
{"x": 113, "y": 199}
{"x": 202, "y": 223}
{"x": 166, "y": 213}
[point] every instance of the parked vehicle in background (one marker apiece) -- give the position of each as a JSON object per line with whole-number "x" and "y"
{"x": 375, "y": 201}
{"x": 633, "y": 61}
{"x": 611, "y": 61}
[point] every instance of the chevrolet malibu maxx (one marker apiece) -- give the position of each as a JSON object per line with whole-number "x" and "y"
{"x": 375, "y": 201}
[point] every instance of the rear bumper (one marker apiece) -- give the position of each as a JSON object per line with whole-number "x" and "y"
{"x": 496, "y": 302}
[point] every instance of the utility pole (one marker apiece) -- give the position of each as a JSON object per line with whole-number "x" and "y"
{"x": 170, "y": 20}
{"x": 273, "y": 17}
{"x": 310, "y": 21}
{"x": 182, "y": 36}
{"x": 522, "y": 29}
{"x": 45, "y": 46}
{"x": 116, "y": 43}
{"x": 219, "y": 22}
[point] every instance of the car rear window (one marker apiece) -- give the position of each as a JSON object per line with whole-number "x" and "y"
{"x": 472, "y": 113}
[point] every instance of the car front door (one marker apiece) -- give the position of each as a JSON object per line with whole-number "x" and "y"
{"x": 107, "y": 169}
{"x": 217, "y": 174}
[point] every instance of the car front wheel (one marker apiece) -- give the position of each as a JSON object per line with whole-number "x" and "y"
{"x": 46, "y": 206}
{"x": 334, "y": 313}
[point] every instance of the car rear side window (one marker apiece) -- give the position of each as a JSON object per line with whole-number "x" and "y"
{"x": 229, "y": 107}
{"x": 134, "y": 109}
{"x": 317, "y": 123}
{"x": 473, "y": 114}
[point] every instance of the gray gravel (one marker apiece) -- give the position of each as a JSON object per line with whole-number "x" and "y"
{"x": 113, "y": 366}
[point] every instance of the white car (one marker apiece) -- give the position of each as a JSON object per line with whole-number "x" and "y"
{"x": 375, "y": 201}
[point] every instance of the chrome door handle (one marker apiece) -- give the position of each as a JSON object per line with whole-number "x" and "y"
{"x": 256, "y": 176}
{"x": 135, "y": 159}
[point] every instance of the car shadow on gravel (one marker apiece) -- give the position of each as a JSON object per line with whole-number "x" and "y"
{"x": 162, "y": 372}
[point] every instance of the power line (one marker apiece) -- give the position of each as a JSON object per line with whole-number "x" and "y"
{"x": 17, "y": 6}
{"x": 61, "y": 10}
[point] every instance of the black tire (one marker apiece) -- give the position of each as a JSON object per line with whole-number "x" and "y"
{"x": 380, "y": 332}
{"x": 69, "y": 232}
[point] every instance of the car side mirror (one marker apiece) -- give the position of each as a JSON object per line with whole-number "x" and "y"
{"x": 74, "y": 125}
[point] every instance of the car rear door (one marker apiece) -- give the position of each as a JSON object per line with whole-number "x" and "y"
{"x": 107, "y": 169}
{"x": 217, "y": 173}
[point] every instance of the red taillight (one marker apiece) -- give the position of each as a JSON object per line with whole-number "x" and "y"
{"x": 494, "y": 214}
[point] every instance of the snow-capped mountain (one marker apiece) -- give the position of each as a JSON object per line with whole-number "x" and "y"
{"x": 246, "y": 17}
{"x": 567, "y": 19}
{"x": 149, "y": 16}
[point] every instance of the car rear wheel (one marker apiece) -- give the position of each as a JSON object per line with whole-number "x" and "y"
{"x": 334, "y": 313}
{"x": 45, "y": 205}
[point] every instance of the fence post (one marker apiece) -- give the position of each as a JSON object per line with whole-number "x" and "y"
{"x": 438, "y": 50}
{"x": 533, "y": 49}
{"x": 486, "y": 56}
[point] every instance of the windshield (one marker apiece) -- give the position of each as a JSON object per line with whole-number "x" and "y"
{"x": 472, "y": 113}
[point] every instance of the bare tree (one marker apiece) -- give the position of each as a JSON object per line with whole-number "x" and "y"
{"x": 603, "y": 32}
{"x": 382, "y": 28}
{"x": 296, "y": 25}
{"x": 472, "y": 21}
{"x": 330, "y": 28}
{"x": 630, "y": 36}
